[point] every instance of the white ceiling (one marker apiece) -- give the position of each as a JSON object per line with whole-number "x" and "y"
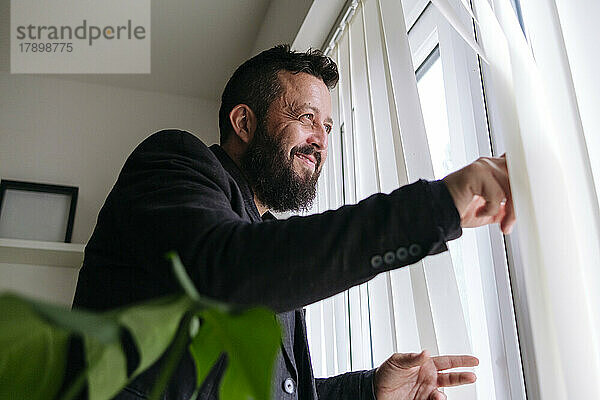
{"x": 196, "y": 44}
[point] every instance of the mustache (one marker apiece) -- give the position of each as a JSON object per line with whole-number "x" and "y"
{"x": 309, "y": 151}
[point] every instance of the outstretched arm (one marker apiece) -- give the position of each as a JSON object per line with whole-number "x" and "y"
{"x": 171, "y": 196}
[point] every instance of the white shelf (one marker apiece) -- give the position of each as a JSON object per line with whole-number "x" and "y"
{"x": 32, "y": 252}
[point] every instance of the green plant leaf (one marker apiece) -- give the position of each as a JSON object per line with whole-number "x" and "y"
{"x": 32, "y": 352}
{"x": 107, "y": 368}
{"x": 250, "y": 339}
{"x": 153, "y": 326}
{"x": 176, "y": 351}
{"x": 101, "y": 327}
{"x": 182, "y": 276}
{"x": 206, "y": 347}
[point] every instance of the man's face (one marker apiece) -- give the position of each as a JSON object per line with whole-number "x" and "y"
{"x": 285, "y": 157}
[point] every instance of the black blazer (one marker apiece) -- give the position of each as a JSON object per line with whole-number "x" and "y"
{"x": 174, "y": 193}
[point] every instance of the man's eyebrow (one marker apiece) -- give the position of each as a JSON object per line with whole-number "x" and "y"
{"x": 316, "y": 110}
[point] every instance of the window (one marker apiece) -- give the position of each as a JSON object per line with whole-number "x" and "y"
{"x": 430, "y": 84}
{"x": 456, "y": 302}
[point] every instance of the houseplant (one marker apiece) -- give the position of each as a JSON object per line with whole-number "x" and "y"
{"x": 34, "y": 338}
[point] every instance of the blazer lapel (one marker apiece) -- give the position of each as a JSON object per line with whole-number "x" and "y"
{"x": 238, "y": 176}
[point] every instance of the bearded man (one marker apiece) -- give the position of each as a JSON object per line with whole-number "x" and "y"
{"x": 212, "y": 206}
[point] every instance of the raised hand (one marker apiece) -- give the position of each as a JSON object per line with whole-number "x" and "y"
{"x": 417, "y": 376}
{"x": 481, "y": 193}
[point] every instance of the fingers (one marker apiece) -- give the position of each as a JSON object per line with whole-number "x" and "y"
{"x": 455, "y": 379}
{"x": 500, "y": 172}
{"x": 509, "y": 220}
{"x": 496, "y": 191}
{"x": 437, "y": 395}
{"x": 493, "y": 202}
{"x": 447, "y": 362}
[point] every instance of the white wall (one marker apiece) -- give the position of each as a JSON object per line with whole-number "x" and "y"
{"x": 317, "y": 24}
{"x": 281, "y": 23}
{"x": 63, "y": 132}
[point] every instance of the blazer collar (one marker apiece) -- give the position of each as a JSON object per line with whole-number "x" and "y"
{"x": 238, "y": 176}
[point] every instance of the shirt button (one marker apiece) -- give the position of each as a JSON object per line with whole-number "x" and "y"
{"x": 414, "y": 250}
{"x": 389, "y": 257}
{"x": 402, "y": 253}
{"x": 289, "y": 386}
{"x": 376, "y": 261}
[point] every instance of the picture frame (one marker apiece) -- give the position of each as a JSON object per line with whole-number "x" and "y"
{"x": 37, "y": 211}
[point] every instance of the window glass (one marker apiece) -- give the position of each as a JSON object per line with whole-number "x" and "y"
{"x": 430, "y": 84}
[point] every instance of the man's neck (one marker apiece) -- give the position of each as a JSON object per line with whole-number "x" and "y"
{"x": 236, "y": 155}
{"x": 261, "y": 208}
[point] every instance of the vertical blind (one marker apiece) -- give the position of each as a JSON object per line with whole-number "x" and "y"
{"x": 460, "y": 301}
{"x": 379, "y": 143}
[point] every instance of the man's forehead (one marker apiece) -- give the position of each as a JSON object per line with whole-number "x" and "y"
{"x": 303, "y": 89}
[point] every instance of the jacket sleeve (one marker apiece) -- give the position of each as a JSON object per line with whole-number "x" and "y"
{"x": 351, "y": 385}
{"x": 171, "y": 196}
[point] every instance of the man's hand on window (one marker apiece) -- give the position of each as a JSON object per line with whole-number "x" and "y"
{"x": 417, "y": 376}
{"x": 481, "y": 193}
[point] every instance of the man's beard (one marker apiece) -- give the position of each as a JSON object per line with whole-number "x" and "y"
{"x": 271, "y": 173}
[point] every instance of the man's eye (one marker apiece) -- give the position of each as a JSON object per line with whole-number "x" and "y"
{"x": 307, "y": 116}
{"x": 328, "y": 128}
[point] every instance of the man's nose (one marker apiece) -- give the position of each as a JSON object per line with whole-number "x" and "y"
{"x": 318, "y": 138}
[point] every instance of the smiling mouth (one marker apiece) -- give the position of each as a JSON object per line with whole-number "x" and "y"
{"x": 308, "y": 160}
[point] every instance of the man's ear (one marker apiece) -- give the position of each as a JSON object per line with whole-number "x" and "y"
{"x": 243, "y": 121}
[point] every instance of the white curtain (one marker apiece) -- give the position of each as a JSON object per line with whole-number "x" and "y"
{"x": 552, "y": 184}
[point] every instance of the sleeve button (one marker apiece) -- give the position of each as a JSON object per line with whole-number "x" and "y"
{"x": 389, "y": 257}
{"x": 376, "y": 261}
{"x": 402, "y": 253}
{"x": 414, "y": 250}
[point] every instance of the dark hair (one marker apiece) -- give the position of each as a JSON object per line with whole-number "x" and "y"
{"x": 256, "y": 84}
